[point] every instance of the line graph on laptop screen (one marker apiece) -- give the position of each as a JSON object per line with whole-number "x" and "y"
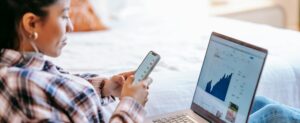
{"x": 228, "y": 79}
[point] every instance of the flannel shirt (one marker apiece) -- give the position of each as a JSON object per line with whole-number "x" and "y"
{"x": 33, "y": 89}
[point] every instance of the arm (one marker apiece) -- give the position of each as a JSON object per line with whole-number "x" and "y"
{"x": 97, "y": 82}
{"x": 130, "y": 107}
{"x": 128, "y": 111}
{"x": 133, "y": 99}
{"x": 111, "y": 87}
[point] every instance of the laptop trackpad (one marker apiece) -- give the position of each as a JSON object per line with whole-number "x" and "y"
{"x": 186, "y": 116}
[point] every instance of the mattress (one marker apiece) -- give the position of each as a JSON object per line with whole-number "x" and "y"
{"x": 182, "y": 46}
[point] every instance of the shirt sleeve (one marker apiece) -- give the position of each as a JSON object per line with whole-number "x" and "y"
{"x": 128, "y": 111}
{"x": 98, "y": 83}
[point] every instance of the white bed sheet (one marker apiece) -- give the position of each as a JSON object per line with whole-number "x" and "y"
{"x": 182, "y": 46}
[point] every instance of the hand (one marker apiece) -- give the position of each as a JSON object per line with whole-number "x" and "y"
{"x": 138, "y": 91}
{"x": 113, "y": 86}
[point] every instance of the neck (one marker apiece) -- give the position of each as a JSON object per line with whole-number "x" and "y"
{"x": 25, "y": 46}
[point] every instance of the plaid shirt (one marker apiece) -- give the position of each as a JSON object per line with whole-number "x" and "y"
{"x": 33, "y": 89}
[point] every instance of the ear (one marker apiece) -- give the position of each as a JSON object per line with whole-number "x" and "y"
{"x": 30, "y": 22}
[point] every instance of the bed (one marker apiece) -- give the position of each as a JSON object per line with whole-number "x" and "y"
{"x": 182, "y": 44}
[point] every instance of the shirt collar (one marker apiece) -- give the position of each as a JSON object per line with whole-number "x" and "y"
{"x": 25, "y": 60}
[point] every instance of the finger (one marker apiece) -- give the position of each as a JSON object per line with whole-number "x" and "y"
{"x": 118, "y": 78}
{"x": 144, "y": 84}
{"x": 127, "y": 74}
{"x": 149, "y": 81}
{"x": 145, "y": 102}
{"x": 129, "y": 80}
{"x": 121, "y": 82}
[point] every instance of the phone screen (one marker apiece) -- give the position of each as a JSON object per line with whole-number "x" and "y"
{"x": 146, "y": 66}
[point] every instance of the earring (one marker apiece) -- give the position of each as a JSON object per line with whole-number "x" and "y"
{"x": 34, "y": 36}
{"x": 1, "y": 52}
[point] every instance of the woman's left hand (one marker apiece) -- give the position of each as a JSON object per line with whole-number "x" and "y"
{"x": 113, "y": 86}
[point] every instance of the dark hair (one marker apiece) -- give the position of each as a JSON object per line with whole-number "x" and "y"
{"x": 11, "y": 13}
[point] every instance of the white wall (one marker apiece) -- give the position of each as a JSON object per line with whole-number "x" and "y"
{"x": 177, "y": 7}
{"x": 195, "y": 10}
{"x": 291, "y": 8}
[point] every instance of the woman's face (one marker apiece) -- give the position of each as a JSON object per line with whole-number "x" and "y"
{"x": 52, "y": 30}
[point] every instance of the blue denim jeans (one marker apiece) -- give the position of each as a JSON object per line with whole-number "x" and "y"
{"x": 268, "y": 111}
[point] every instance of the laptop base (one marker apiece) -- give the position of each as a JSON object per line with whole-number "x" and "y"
{"x": 184, "y": 115}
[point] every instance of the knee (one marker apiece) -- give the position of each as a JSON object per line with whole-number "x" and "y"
{"x": 274, "y": 108}
{"x": 261, "y": 100}
{"x": 274, "y": 113}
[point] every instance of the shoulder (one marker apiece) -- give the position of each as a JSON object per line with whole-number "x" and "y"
{"x": 53, "y": 85}
{"x": 15, "y": 78}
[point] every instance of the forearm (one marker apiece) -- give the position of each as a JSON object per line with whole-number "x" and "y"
{"x": 98, "y": 83}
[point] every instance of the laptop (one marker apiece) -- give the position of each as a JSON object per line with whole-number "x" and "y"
{"x": 226, "y": 85}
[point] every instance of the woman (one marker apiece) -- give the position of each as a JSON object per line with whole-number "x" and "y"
{"x": 268, "y": 111}
{"x": 33, "y": 89}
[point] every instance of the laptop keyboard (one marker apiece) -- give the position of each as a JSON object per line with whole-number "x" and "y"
{"x": 175, "y": 119}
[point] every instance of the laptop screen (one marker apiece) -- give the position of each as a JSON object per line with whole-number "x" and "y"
{"x": 228, "y": 79}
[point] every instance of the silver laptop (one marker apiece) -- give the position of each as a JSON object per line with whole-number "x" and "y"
{"x": 226, "y": 85}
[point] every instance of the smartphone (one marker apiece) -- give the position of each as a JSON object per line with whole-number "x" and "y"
{"x": 146, "y": 67}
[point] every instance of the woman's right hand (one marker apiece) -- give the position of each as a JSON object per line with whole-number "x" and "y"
{"x": 138, "y": 91}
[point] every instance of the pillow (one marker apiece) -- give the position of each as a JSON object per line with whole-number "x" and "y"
{"x": 83, "y": 17}
{"x": 112, "y": 10}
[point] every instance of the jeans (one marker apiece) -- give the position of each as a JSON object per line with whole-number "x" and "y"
{"x": 268, "y": 111}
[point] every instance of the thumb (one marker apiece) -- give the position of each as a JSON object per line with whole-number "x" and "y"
{"x": 129, "y": 80}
